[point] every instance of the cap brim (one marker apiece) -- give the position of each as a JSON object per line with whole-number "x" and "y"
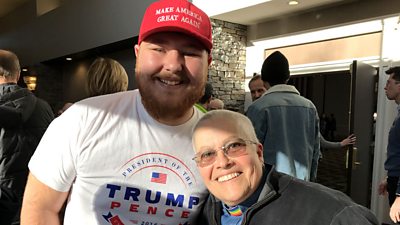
{"x": 205, "y": 42}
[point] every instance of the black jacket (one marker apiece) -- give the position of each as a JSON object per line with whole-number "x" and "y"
{"x": 23, "y": 120}
{"x": 289, "y": 201}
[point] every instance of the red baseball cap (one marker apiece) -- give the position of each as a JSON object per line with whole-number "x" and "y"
{"x": 176, "y": 16}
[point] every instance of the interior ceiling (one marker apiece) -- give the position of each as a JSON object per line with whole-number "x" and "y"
{"x": 7, "y": 6}
{"x": 264, "y": 11}
{"x": 250, "y": 15}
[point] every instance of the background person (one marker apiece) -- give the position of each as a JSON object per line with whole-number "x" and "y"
{"x": 349, "y": 140}
{"x": 125, "y": 157}
{"x": 325, "y": 144}
{"x": 216, "y": 103}
{"x": 64, "y": 108}
{"x": 106, "y": 76}
{"x": 23, "y": 120}
{"x": 286, "y": 123}
{"x": 392, "y": 163}
{"x": 247, "y": 191}
{"x": 257, "y": 87}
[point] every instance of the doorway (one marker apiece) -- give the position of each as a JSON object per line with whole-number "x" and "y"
{"x": 332, "y": 93}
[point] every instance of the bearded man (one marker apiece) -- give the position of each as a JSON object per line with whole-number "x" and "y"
{"x": 125, "y": 158}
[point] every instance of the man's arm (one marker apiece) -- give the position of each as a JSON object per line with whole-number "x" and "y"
{"x": 41, "y": 204}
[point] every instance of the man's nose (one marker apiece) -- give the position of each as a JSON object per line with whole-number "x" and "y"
{"x": 173, "y": 61}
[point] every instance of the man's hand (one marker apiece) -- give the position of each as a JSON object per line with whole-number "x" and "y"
{"x": 395, "y": 210}
{"x": 382, "y": 189}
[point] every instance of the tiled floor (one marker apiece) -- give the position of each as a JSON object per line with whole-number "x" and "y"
{"x": 332, "y": 169}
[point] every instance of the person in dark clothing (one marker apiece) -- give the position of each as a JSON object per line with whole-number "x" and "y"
{"x": 245, "y": 190}
{"x": 23, "y": 120}
{"x": 391, "y": 184}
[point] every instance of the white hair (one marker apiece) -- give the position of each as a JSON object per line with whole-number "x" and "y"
{"x": 240, "y": 121}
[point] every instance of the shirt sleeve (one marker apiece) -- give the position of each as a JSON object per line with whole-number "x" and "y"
{"x": 55, "y": 160}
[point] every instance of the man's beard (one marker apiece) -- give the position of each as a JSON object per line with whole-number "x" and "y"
{"x": 159, "y": 109}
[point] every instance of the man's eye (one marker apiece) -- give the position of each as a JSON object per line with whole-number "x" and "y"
{"x": 192, "y": 52}
{"x": 207, "y": 154}
{"x": 158, "y": 49}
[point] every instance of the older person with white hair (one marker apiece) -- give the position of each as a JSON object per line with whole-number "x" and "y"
{"x": 244, "y": 190}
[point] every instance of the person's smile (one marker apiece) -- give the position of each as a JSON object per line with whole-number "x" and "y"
{"x": 228, "y": 177}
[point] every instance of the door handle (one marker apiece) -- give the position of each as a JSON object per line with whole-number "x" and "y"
{"x": 355, "y": 161}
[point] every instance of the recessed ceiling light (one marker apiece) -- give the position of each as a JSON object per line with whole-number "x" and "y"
{"x": 24, "y": 69}
{"x": 293, "y": 2}
{"x": 68, "y": 59}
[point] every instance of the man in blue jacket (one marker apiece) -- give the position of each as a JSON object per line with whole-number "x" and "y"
{"x": 286, "y": 123}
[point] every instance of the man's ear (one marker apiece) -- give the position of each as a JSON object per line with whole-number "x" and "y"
{"x": 136, "y": 50}
{"x": 266, "y": 85}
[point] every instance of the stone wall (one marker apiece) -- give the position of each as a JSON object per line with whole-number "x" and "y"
{"x": 227, "y": 70}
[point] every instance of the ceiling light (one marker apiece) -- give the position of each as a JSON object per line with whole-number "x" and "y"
{"x": 293, "y": 3}
{"x": 68, "y": 59}
{"x": 24, "y": 69}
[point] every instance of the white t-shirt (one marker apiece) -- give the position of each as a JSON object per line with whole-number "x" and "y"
{"x": 121, "y": 165}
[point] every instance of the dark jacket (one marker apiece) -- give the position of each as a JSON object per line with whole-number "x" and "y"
{"x": 23, "y": 120}
{"x": 289, "y": 201}
{"x": 392, "y": 163}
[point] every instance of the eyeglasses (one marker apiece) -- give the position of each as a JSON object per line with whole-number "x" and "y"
{"x": 231, "y": 149}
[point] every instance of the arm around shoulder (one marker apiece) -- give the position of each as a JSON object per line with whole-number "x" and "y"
{"x": 41, "y": 204}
